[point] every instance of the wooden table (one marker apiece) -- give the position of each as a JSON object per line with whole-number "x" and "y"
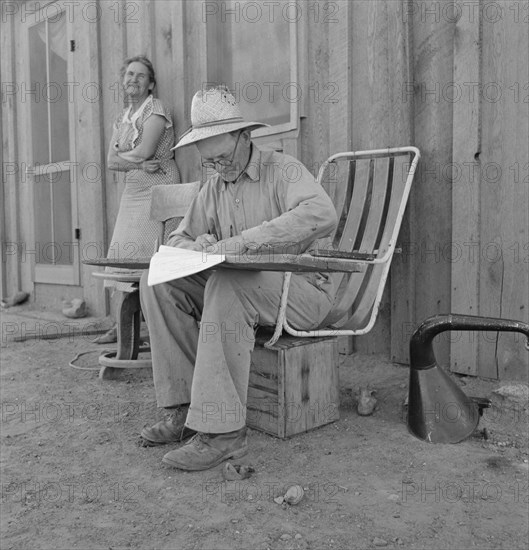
{"x": 257, "y": 262}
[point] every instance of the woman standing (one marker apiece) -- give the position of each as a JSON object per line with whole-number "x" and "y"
{"x": 141, "y": 145}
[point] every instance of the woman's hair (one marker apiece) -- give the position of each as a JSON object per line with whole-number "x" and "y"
{"x": 143, "y": 60}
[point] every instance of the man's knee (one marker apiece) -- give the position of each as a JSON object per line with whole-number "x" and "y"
{"x": 221, "y": 293}
{"x": 227, "y": 279}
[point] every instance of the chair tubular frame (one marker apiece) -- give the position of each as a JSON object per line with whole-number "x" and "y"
{"x": 282, "y": 322}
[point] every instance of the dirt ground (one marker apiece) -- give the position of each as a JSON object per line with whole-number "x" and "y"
{"x": 74, "y": 474}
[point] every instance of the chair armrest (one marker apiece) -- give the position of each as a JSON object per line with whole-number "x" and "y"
{"x": 270, "y": 261}
{"x": 364, "y": 256}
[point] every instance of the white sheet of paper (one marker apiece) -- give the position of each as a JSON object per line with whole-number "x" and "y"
{"x": 171, "y": 263}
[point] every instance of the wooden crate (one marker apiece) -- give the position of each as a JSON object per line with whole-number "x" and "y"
{"x": 293, "y": 387}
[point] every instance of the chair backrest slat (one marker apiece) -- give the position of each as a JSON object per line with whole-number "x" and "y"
{"x": 358, "y": 203}
{"x": 367, "y": 242}
{"x": 401, "y": 166}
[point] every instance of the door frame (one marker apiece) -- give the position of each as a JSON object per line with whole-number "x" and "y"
{"x": 46, "y": 273}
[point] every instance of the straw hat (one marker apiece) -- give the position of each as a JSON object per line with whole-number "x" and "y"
{"x": 214, "y": 112}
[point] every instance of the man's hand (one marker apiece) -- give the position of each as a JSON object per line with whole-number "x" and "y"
{"x": 232, "y": 246}
{"x": 203, "y": 242}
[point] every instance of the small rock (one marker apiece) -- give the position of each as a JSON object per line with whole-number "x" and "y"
{"x": 18, "y": 298}
{"x": 294, "y": 495}
{"x": 233, "y": 472}
{"x": 380, "y": 542}
{"x": 366, "y": 402}
{"x": 393, "y": 497}
{"x": 286, "y": 536}
{"x": 298, "y": 536}
{"x": 279, "y": 500}
{"x": 74, "y": 309}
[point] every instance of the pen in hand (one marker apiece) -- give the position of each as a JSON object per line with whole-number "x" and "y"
{"x": 205, "y": 241}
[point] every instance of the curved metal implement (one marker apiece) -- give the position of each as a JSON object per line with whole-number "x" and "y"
{"x": 438, "y": 410}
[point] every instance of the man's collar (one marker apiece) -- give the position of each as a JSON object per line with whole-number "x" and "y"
{"x": 252, "y": 170}
{"x": 254, "y": 166}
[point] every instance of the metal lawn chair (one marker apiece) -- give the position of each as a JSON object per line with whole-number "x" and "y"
{"x": 370, "y": 207}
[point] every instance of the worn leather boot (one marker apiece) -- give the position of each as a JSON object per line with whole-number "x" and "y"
{"x": 205, "y": 451}
{"x": 170, "y": 430}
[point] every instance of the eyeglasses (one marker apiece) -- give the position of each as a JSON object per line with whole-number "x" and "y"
{"x": 222, "y": 162}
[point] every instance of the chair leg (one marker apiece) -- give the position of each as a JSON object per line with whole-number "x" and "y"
{"x": 128, "y": 324}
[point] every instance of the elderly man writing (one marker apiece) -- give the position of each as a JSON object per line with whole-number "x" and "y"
{"x": 256, "y": 200}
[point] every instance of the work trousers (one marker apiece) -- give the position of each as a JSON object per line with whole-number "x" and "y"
{"x": 202, "y": 332}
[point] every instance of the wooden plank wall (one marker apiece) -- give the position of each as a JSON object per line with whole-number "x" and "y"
{"x": 491, "y": 204}
{"x": 432, "y": 120}
{"x": 465, "y": 191}
{"x": 504, "y": 282}
{"x": 379, "y": 66}
{"x": 374, "y": 74}
{"x": 89, "y": 138}
{"x": 10, "y": 162}
{"x": 113, "y": 42}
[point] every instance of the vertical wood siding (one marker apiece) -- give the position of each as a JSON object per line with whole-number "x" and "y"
{"x": 374, "y": 74}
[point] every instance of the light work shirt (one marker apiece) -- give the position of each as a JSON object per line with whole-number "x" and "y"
{"x": 275, "y": 205}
